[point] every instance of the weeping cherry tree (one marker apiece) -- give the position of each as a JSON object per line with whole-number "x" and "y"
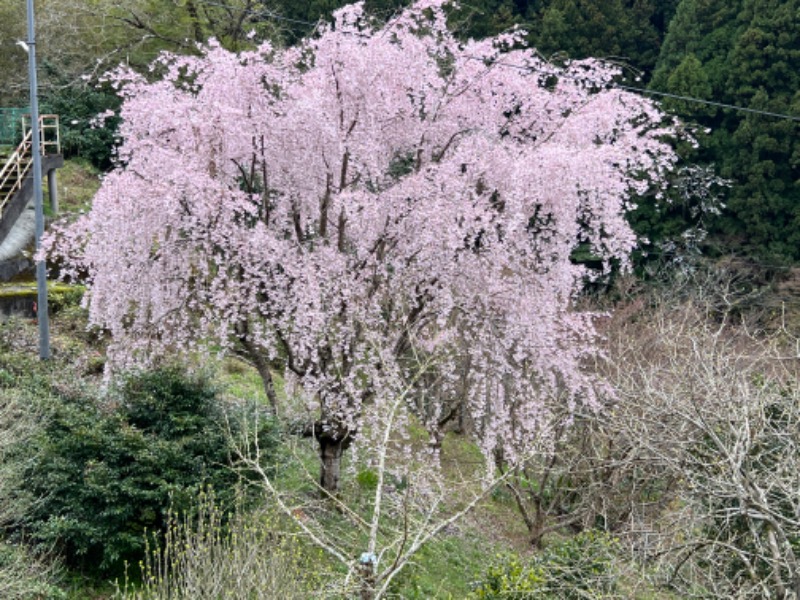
{"x": 381, "y": 212}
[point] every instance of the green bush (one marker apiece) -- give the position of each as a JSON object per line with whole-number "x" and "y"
{"x": 62, "y": 297}
{"x": 107, "y": 472}
{"x": 77, "y": 105}
{"x": 22, "y": 575}
{"x": 578, "y": 568}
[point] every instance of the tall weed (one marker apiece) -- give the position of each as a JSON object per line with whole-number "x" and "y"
{"x": 239, "y": 556}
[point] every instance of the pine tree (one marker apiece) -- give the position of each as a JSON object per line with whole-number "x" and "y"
{"x": 743, "y": 53}
{"x": 705, "y": 28}
{"x": 764, "y": 75}
{"x": 619, "y": 29}
{"x": 689, "y": 79}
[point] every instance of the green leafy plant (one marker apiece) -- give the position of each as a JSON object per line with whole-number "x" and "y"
{"x": 22, "y": 574}
{"x": 579, "y": 567}
{"x": 78, "y": 106}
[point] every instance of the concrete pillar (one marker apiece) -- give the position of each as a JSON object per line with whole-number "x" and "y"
{"x": 52, "y": 190}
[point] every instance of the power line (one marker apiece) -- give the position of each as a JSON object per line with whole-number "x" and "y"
{"x": 635, "y": 90}
{"x": 708, "y": 102}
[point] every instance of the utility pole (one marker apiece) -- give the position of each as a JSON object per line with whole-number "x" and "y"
{"x": 41, "y": 273}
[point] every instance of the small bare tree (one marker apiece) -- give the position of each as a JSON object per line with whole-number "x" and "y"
{"x": 402, "y": 499}
{"x": 694, "y": 463}
{"x": 717, "y": 411}
{"x": 595, "y": 475}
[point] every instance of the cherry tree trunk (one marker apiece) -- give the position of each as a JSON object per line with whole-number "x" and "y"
{"x": 262, "y": 366}
{"x": 333, "y": 441}
{"x": 330, "y": 453}
{"x": 331, "y": 450}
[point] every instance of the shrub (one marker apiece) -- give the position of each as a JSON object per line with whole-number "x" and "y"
{"x": 22, "y": 575}
{"x": 106, "y": 473}
{"x": 578, "y": 568}
{"x": 78, "y": 105}
{"x": 16, "y": 428}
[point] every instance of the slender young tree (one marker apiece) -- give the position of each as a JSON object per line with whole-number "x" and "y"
{"x": 366, "y": 202}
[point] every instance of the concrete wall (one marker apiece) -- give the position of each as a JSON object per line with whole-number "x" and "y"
{"x": 18, "y": 223}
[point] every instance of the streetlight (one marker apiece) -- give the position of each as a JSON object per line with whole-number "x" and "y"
{"x": 41, "y": 274}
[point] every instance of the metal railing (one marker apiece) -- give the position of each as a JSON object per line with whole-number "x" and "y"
{"x": 49, "y": 133}
{"x": 17, "y": 165}
{"x": 10, "y": 119}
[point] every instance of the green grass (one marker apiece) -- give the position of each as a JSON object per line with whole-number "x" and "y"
{"x": 77, "y": 182}
{"x": 240, "y": 380}
{"x": 446, "y": 567}
{"x": 61, "y": 293}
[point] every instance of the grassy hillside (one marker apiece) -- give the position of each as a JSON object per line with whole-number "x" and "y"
{"x": 445, "y": 568}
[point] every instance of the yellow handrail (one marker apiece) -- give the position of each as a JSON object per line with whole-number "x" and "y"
{"x": 49, "y": 133}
